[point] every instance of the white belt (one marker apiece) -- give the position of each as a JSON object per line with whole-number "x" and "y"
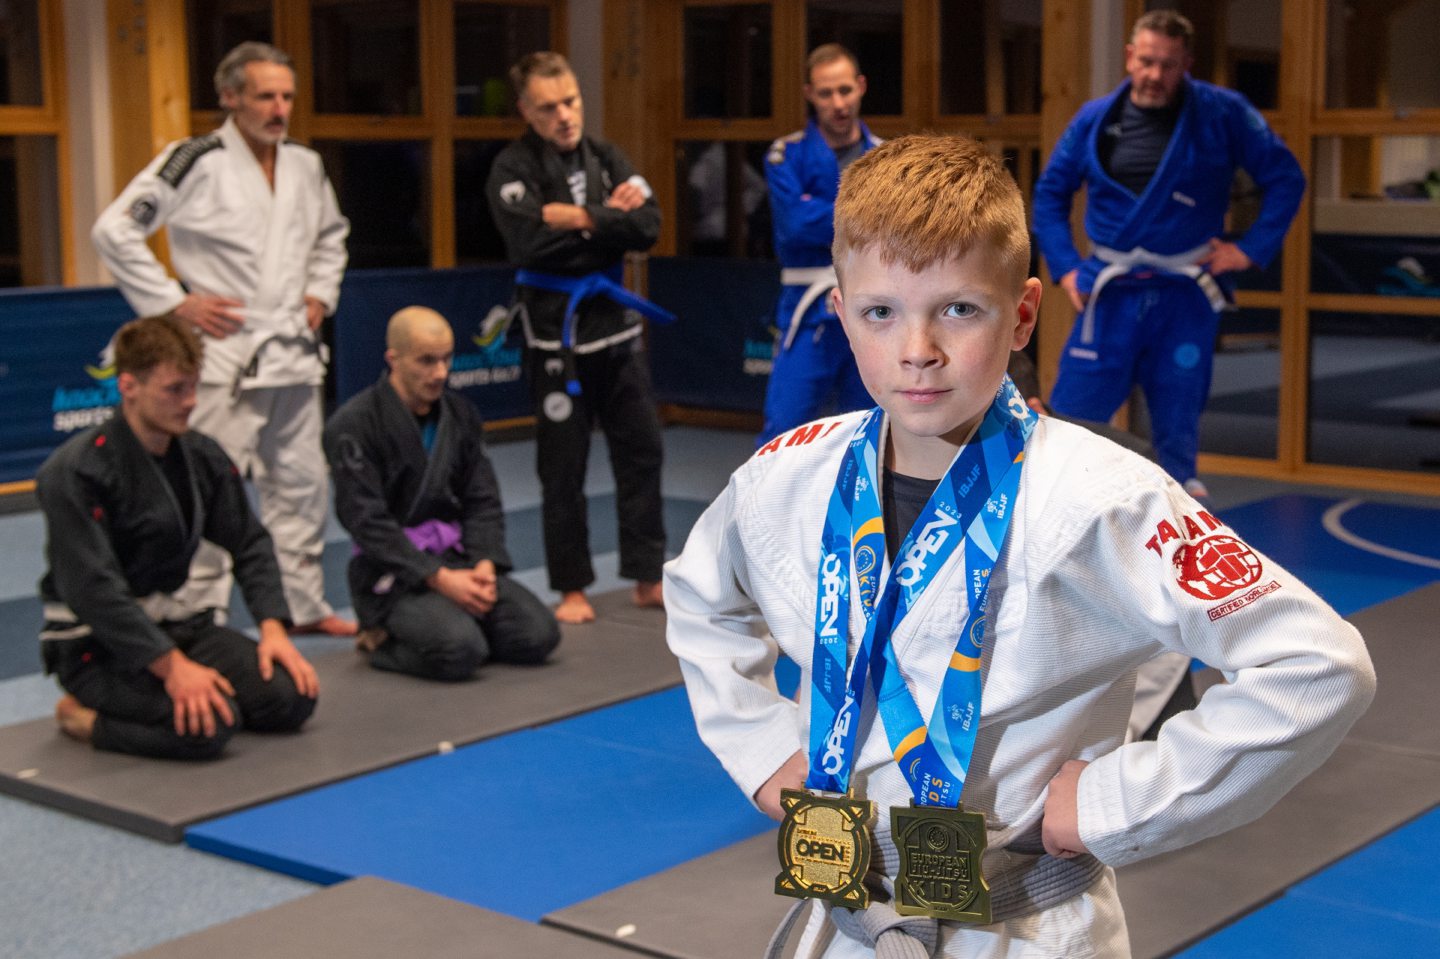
{"x": 817, "y": 280}
{"x": 62, "y": 622}
{"x": 1118, "y": 263}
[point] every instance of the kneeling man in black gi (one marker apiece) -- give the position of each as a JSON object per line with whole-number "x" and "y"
{"x": 126, "y": 504}
{"x": 418, "y": 495}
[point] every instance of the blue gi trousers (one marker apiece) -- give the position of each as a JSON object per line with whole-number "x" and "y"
{"x": 1159, "y": 332}
{"x": 818, "y": 364}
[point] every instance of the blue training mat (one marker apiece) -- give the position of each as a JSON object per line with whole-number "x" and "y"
{"x": 1290, "y": 530}
{"x": 1378, "y": 902}
{"x": 524, "y": 824}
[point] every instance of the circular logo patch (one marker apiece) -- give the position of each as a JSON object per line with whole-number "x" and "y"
{"x": 557, "y": 407}
{"x": 1187, "y": 356}
{"x": 1215, "y": 567}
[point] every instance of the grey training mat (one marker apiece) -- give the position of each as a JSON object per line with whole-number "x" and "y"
{"x": 1405, "y": 647}
{"x": 716, "y": 907}
{"x": 369, "y": 918}
{"x": 1381, "y": 776}
{"x": 366, "y": 720}
{"x": 1360, "y": 794}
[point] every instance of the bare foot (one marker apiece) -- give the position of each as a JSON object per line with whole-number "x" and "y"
{"x": 76, "y": 721}
{"x": 369, "y": 640}
{"x": 574, "y": 608}
{"x": 648, "y": 594}
{"x": 331, "y": 625}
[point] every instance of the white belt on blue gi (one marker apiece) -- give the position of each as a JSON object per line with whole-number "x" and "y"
{"x": 1118, "y": 263}
{"x": 817, "y": 280}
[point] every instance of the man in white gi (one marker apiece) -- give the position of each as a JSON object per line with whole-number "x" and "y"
{"x": 257, "y": 239}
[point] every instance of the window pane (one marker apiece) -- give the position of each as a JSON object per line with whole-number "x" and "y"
{"x": 476, "y": 238}
{"x": 727, "y": 61}
{"x": 214, "y": 28}
{"x": 383, "y": 188}
{"x": 872, "y": 31}
{"x": 970, "y": 34}
{"x": 367, "y": 56}
{"x": 20, "y": 53}
{"x": 1375, "y": 390}
{"x": 1244, "y": 407}
{"x": 1382, "y": 54}
{"x": 722, "y": 206}
{"x": 488, "y": 39}
{"x": 1237, "y": 45}
{"x": 1376, "y": 216}
{"x": 29, "y": 212}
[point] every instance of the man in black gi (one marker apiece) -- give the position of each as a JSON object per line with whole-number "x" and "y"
{"x": 418, "y": 495}
{"x": 126, "y": 504}
{"x": 569, "y": 207}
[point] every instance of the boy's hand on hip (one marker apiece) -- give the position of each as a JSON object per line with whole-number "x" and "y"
{"x": 789, "y": 776}
{"x": 1060, "y": 829}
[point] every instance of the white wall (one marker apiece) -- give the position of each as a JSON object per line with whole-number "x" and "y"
{"x": 587, "y": 59}
{"x": 87, "y": 83}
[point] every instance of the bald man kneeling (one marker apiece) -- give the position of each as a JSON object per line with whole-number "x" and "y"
{"x": 417, "y": 493}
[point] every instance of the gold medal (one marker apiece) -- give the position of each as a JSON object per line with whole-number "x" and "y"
{"x": 824, "y": 848}
{"x": 940, "y": 850}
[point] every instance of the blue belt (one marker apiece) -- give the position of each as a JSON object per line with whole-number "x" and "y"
{"x": 580, "y": 288}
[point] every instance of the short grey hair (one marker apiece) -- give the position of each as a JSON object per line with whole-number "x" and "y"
{"x": 230, "y": 74}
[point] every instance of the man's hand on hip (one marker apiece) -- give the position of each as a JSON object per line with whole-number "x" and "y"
{"x": 216, "y": 316}
{"x": 1077, "y": 299}
{"x": 1225, "y": 258}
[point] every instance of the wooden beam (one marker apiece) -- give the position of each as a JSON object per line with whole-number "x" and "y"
{"x": 1298, "y": 66}
{"x": 1065, "y": 80}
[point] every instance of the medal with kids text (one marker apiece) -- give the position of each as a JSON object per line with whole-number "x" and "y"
{"x": 940, "y": 852}
{"x": 824, "y": 846}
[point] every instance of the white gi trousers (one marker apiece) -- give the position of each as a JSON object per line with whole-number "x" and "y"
{"x": 273, "y": 433}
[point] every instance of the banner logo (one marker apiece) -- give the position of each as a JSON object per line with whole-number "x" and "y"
{"x": 80, "y": 408}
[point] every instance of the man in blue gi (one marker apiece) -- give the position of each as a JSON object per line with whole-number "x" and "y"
{"x": 813, "y": 358}
{"x": 1157, "y": 158}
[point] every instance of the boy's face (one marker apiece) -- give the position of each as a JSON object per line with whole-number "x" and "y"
{"x": 932, "y": 346}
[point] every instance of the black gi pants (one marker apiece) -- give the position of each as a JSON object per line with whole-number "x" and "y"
{"x": 433, "y": 638}
{"x": 615, "y": 385}
{"x": 137, "y": 716}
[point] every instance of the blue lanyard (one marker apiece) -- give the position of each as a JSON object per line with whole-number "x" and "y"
{"x": 976, "y": 496}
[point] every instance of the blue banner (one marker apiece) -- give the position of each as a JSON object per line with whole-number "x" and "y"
{"x": 718, "y": 355}
{"x": 488, "y": 370}
{"x": 54, "y": 375}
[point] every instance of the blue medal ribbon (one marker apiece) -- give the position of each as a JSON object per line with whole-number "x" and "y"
{"x": 976, "y": 496}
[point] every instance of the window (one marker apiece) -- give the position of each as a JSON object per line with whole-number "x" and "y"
{"x": 34, "y": 229}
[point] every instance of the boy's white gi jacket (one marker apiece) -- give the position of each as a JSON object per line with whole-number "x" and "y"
{"x": 231, "y": 235}
{"x": 1107, "y": 563}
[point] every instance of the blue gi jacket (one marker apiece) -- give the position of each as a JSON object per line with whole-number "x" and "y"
{"x": 1185, "y": 203}
{"x": 804, "y": 178}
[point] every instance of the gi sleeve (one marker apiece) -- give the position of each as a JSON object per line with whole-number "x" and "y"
{"x": 1299, "y": 676}
{"x": 142, "y": 208}
{"x": 1276, "y": 172}
{"x": 362, "y": 509}
{"x": 86, "y": 572}
{"x": 727, "y": 655}
{"x": 232, "y": 525}
{"x": 801, "y": 220}
{"x": 516, "y": 199}
{"x": 326, "y": 266}
{"x": 625, "y": 230}
{"x": 1054, "y": 193}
